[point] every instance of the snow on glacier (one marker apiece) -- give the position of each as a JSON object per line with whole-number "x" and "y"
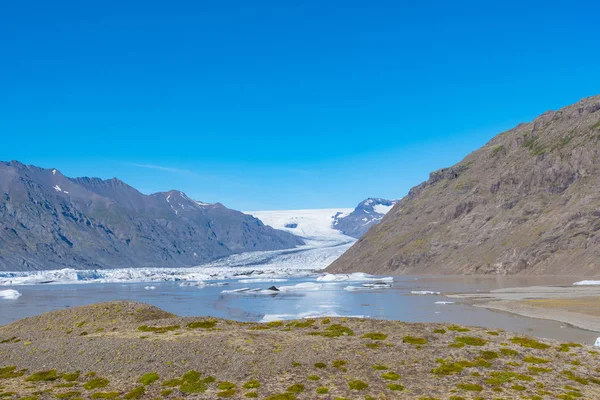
{"x": 323, "y": 246}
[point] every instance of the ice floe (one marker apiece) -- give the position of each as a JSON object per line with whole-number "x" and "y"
{"x": 304, "y": 315}
{"x": 586, "y": 283}
{"x": 356, "y": 277}
{"x": 423, "y": 292}
{"x": 9, "y": 294}
{"x": 444, "y": 302}
{"x": 261, "y": 280}
{"x": 368, "y": 286}
{"x": 150, "y": 287}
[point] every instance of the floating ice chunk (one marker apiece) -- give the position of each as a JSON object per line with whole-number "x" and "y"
{"x": 597, "y": 344}
{"x": 301, "y": 286}
{"x": 355, "y": 288}
{"x": 260, "y": 280}
{"x": 150, "y": 287}
{"x": 377, "y": 285}
{"x": 586, "y": 283}
{"x": 444, "y": 302}
{"x": 423, "y": 292}
{"x": 9, "y": 294}
{"x": 356, "y": 276}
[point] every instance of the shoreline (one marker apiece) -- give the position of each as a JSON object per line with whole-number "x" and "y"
{"x": 567, "y": 305}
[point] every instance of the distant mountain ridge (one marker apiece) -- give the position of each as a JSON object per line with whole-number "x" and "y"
{"x": 366, "y": 214}
{"x": 49, "y": 221}
{"x": 528, "y": 202}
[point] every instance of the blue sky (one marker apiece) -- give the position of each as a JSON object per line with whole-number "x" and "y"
{"x": 281, "y": 104}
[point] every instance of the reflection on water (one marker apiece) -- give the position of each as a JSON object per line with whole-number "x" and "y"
{"x": 395, "y": 303}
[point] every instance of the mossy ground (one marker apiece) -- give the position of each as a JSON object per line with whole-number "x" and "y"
{"x": 332, "y": 358}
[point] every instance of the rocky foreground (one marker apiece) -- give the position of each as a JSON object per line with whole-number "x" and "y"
{"x": 129, "y": 350}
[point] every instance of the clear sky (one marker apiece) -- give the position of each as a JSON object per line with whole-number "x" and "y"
{"x": 281, "y": 104}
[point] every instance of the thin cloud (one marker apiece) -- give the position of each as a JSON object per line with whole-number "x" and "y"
{"x": 162, "y": 168}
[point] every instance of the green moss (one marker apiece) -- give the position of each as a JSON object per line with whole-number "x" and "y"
{"x": 395, "y": 386}
{"x": 135, "y": 393}
{"x": 458, "y": 328}
{"x": 414, "y": 340}
{"x": 253, "y": 384}
{"x": 282, "y": 396}
{"x": 252, "y": 395}
{"x": 320, "y": 365}
{"x": 322, "y": 390}
{"x": 509, "y": 352}
{"x": 379, "y": 367}
{"x": 43, "y": 376}
{"x": 172, "y": 382}
{"x": 149, "y": 378}
{"x": 457, "y": 345}
{"x": 530, "y": 343}
{"x": 96, "y": 383}
{"x": 488, "y": 355}
{"x": 313, "y": 377}
{"x": 71, "y": 377}
{"x": 67, "y": 395}
{"x": 32, "y": 397}
{"x": 10, "y": 372}
{"x": 439, "y": 330}
{"x": 357, "y": 385}
{"x": 326, "y": 321}
{"x": 189, "y": 387}
{"x": 167, "y": 392}
{"x": 565, "y": 347}
{"x": 158, "y": 329}
{"x": 105, "y": 395}
{"x": 471, "y": 387}
{"x": 492, "y": 333}
{"x": 392, "y": 376}
{"x": 296, "y": 388}
{"x": 226, "y": 393}
{"x": 571, "y": 376}
{"x": 519, "y": 388}
{"x": 374, "y": 345}
{"x": 207, "y": 324}
{"x": 337, "y": 330}
{"x": 535, "y": 360}
{"x": 470, "y": 340}
{"x": 539, "y": 369}
{"x": 307, "y": 323}
{"x": 375, "y": 336}
{"x": 226, "y": 385}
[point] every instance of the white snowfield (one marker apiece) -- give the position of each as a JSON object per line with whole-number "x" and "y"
{"x": 323, "y": 246}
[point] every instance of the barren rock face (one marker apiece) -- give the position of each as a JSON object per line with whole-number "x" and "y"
{"x": 528, "y": 202}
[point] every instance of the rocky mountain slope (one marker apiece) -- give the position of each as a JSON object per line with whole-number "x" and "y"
{"x": 528, "y": 202}
{"x": 49, "y": 221}
{"x": 366, "y": 214}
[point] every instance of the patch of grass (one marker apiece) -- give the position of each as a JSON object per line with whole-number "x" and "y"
{"x": 530, "y": 343}
{"x": 149, "y": 378}
{"x": 517, "y": 387}
{"x": 571, "y": 376}
{"x": 337, "y": 330}
{"x": 135, "y": 393}
{"x": 375, "y": 336}
{"x": 488, "y": 355}
{"x": 43, "y": 376}
{"x": 165, "y": 393}
{"x": 379, "y": 367}
{"x": 158, "y": 329}
{"x": 208, "y": 324}
{"x": 470, "y": 340}
{"x": 539, "y": 369}
{"x": 105, "y": 395}
{"x": 274, "y": 324}
{"x": 172, "y": 382}
{"x": 395, "y": 386}
{"x": 253, "y": 384}
{"x": 307, "y": 323}
{"x": 313, "y": 377}
{"x": 320, "y": 365}
{"x": 296, "y": 388}
{"x": 457, "y": 345}
{"x": 439, "y": 330}
{"x": 374, "y": 345}
{"x": 252, "y": 395}
{"x": 471, "y": 387}
{"x": 96, "y": 383}
{"x": 392, "y": 376}
{"x": 326, "y": 321}
{"x": 414, "y": 340}
{"x": 357, "y": 385}
{"x": 322, "y": 390}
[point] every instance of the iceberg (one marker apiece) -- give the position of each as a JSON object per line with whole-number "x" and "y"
{"x": 586, "y": 283}
{"x": 444, "y": 302}
{"x": 423, "y": 292}
{"x": 356, "y": 276}
{"x": 9, "y": 294}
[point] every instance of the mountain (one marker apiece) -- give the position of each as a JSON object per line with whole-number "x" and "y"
{"x": 528, "y": 202}
{"x": 50, "y": 221}
{"x": 364, "y": 216}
